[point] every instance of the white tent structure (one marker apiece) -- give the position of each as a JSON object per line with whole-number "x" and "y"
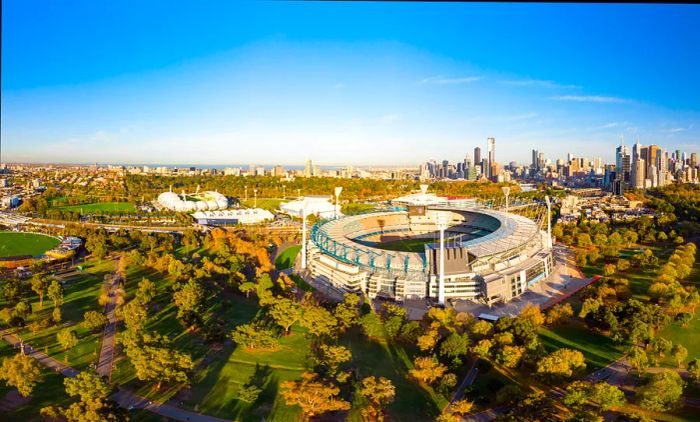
{"x": 318, "y": 205}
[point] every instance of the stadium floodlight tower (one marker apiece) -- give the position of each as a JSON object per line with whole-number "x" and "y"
{"x": 442, "y": 221}
{"x": 255, "y": 196}
{"x": 338, "y": 189}
{"x": 304, "y": 204}
{"x": 506, "y": 192}
{"x": 549, "y": 221}
{"x": 284, "y": 191}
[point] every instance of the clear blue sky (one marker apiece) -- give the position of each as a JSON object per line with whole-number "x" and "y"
{"x": 368, "y": 83}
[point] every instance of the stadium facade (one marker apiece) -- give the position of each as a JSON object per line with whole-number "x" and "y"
{"x": 490, "y": 255}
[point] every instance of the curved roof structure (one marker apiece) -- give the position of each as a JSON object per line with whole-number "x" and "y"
{"x": 489, "y": 232}
{"x": 204, "y": 201}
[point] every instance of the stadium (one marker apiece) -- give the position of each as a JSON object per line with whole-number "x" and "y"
{"x": 490, "y": 255}
{"x": 198, "y": 201}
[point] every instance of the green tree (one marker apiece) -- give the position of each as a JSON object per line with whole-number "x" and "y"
{"x": 318, "y": 321}
{"x": 147, "y": 291}
{"x": 662, "y": 392}
{"x": 93, "y": 320}
{"x": 87, "y": 385}
{"x": 189, "y": 301}
{"x": 255, "y": 337}
{"x": 160, "y": 364}
{"x": 372, "y": 326}
{"x": 334, "y": 356}
{"x": 455, "y": 345}
{"x": 694, "y": 369}
{"x": 638, "y": 359}
{"x": 67, "y": 338}
{"x": 39, "y": 285}
{"x": 679, "y": 353}
{"x": 134, "y": 315}
{"x": 561, "y": 363}
{"x": 21, "y": 372}
{"x": 285, "y": 312}
{"x": 55, "y": 293}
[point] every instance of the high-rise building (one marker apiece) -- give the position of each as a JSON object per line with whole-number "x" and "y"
{"x": 308, "y": 169}
{"x": 693, "y": 159}
{"x": 622, "y": 162}
{"x": 535, "y": 158}
{"x": 477, "y": 156}
{"x": 491, "y": 146}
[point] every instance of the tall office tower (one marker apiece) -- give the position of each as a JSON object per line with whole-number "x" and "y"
{"x": 693, "y": 159}
{"x": 622, "y": 162}
{"x": 477, "y": 156}
{"x": 569, "y": 157}
{"x": 308, "y": 169}
{"x": 491, "y": 146}
{"x": 637, "y": 173}
{"x": 540, "y": 160}
{"x": 678, "y": 155}
{"x": 535, "y": 157}
{"x": 485, "y": 168}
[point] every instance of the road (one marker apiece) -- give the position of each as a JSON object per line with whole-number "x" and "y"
{"x": 104, "y": 363}
{"x": 41, "y": 357}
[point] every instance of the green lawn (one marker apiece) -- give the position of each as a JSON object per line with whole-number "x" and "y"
{"x": 287, "y": 257}
{"x": 598, "y": 350}
{"x": 270, "y": 204}
{"x": 406, "y": 245}
{"x": 17, "y": 244}
{"x": 80, "y": 295}
{"x": 108, "y": 207}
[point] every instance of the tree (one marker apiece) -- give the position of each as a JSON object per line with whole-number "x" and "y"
{"x": 694, "y": 369}
{"x": 189, "y": 301}
{"x": 347, "y": 312}
{"x": 55, "y": 293}
{"x": 318, "y": 321}
{"x": 379, "y": 393}
{"x": 623, "y": 264}
{"x": 56, "y": 315}
{"x": 532, "y": 314}
{"x": 679, "y": 353}
{"x": 87, "y": 385}
{"x": 583, "y": 240}
{"x": 481, "y": 328}
{"x": 462, "y": 407}
{"x": 285, "y": 312}
{"x": 134, "y": 315}
{"x": 67, "y": 338}
{"x": 21, "y": 372}
{"x": 429, "y": 340}
{"x": 39, "y": 285}
{"x": 482, "y": 348}
{"x": 427, "y": 370}
{"x": 160, "y": 364}
{"x": 659, "y": 347}
{"x": 559, "y": 313}
{"x": 561, "y": 363}
{"x": 510, "y": 356}
{"x": 607, "y": 396}
{"x": 93, "y": 320}
{"x": 455, "y": 345}
{"x": 333, "y": 356}
{"x": 247, "y": 287}
{"x": 255, "y": 337}
{"x": 638, "y": 359}
{"x": 147, "y": 291}
{"x": 662, "y": 392}
{"x": 23, "y": 309}
{"x": 313, "y": 396}
{"x": 609, "y": 269}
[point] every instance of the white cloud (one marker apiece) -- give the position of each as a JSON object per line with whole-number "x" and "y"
{"x": 589, "y": 99}
{"x": 442, "y": 80}
{"x": 390, "y": 117}
{"x": 540, "y": 83}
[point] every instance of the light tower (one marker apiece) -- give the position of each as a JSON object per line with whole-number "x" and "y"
{"x": 303, "y": 234}
{"x": 506, "y": 192}
{"x": 284, "y": 191}
{"x": 255, "y": 196}
{"x": 549, "y": 221}
{"x": 338, "y": 190}
{"x": 442, "y": 220}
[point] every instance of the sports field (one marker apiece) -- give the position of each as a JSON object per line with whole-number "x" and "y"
{"x": 100, "y": 206}
{"x": 286, "y": 258}
{"x": 18, "y": 244}
{"x": 405, "y": 245}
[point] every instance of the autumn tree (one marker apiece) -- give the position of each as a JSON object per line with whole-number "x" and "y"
{"x": 346, "y": 312}
{"x": 67, "y": 338}
{"x": 318, "y": 321}
{"x": 134, "y": 314}
{"x": 427, "y": 369}
{"x": 147, "y": 291}
{"x": 21, "y": 372}
{"x": 313, "y": 396}
{"x": 93, "y": 320}
{"x": 334, "y": 356}
{"x": 39, "y": 285}
{"x": 55, "y": 293}
{"x": 87, "y": 385}
{"x": 559, "y": 314}
{"x": 189, "y": 301}
{"x": 561, "y": 363}
{"x": 379, "y": 393}
{"x": 160, "y": 364}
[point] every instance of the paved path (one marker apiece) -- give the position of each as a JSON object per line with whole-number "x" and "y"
{"x": 125, "y": 399}
{"x": 41, "y": 357}
{"x": 104, "y": 364}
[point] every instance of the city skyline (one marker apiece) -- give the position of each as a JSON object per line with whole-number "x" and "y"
{"x": 283, "y": 82}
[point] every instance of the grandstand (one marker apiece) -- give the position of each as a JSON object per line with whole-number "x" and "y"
{"x": 490, "y": 255}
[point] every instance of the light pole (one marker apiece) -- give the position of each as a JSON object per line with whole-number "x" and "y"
{"x": 284, "y": 191}
{"x": 303, "y": 234}
{"x": 255, "y": 195}
{"x": 338, "y": 189}
{"x": 549, "y": 221}
{"x": 245, "y": 198}
{"x": 442, "y": 220}
{"x": 506, "y": 192}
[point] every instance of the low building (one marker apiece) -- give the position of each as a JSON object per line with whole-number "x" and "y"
{"x": 233, "y": 217}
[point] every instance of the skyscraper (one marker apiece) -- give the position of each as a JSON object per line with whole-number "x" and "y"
{"x": 535, "y": 156}
{"x": 477, "y": 156}
{"x": 491, "y": 146}
{"x": 622, "y": 162}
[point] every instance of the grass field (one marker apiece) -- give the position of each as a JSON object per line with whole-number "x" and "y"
{"x": 406, "y": 245}
{"x": 270, "y": 204}
{"x": 17, "y": 244}
{"x": 598, "y": 350}
{"x": 106, "y": 207}
{"x": 287, "y": 257}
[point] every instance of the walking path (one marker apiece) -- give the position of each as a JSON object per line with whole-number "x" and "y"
{"x": 125, "y": 399}
{"x": 104, "y": 363}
